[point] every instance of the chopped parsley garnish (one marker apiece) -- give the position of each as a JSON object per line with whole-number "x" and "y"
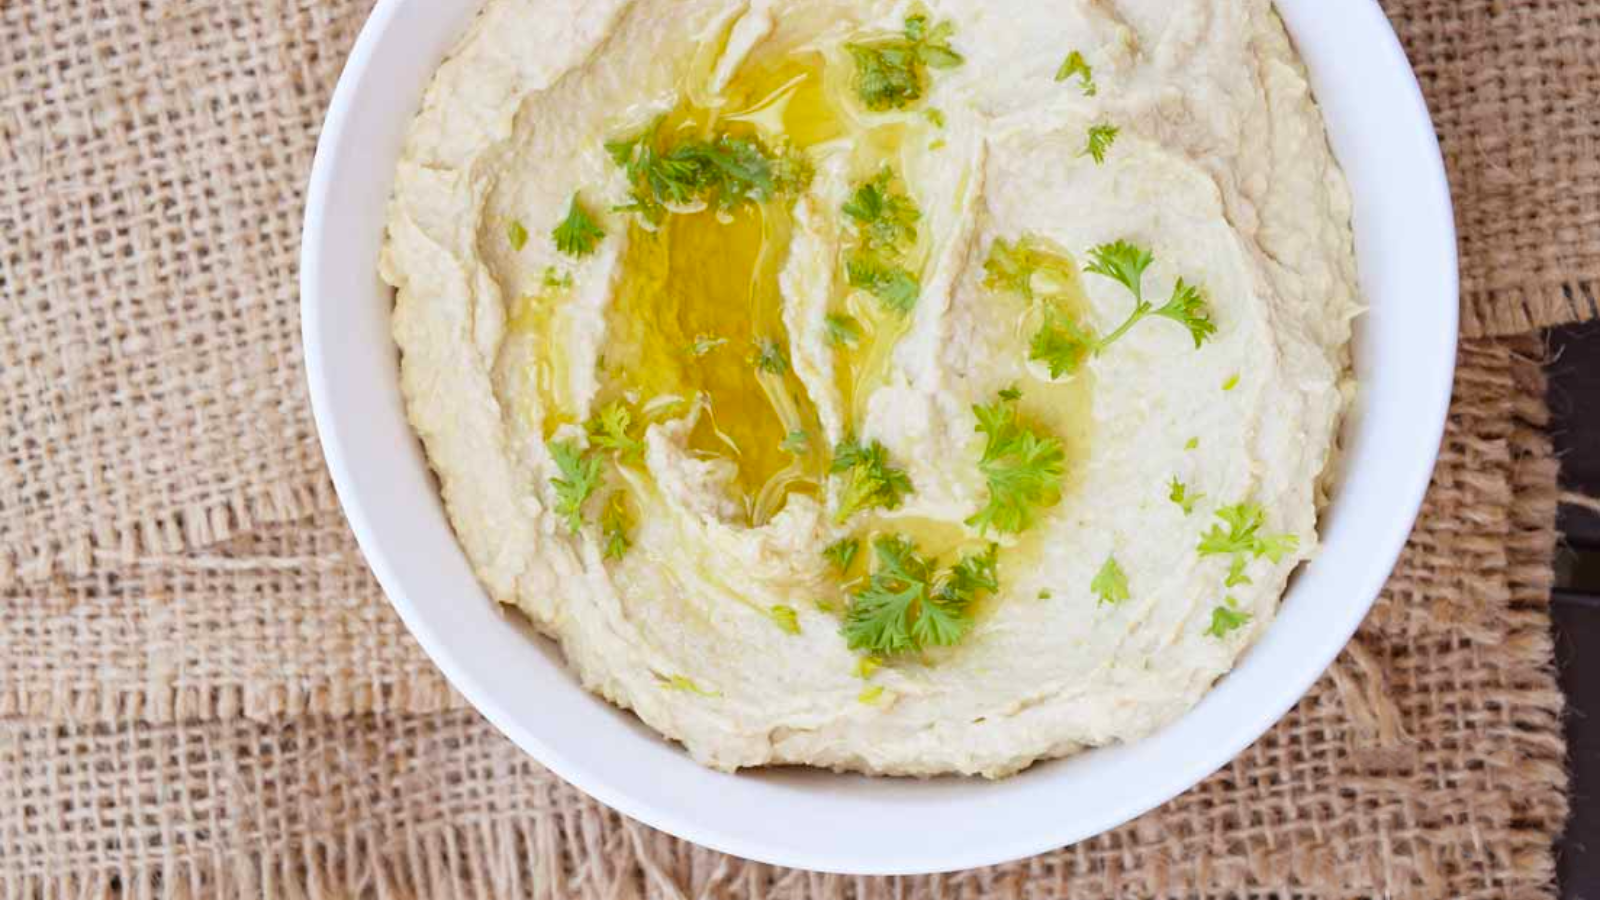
{"x": 724, "y": 173}
{"x": 580, "y": 476}
{"x": 796, "y": 442}
{"x": 577, "y": 234}
{"x": 610, "y": 429}
{"x": 885, "y": 224}
{"x": 842, "y": 553}
{"x": 1180, "y": 494}
{"x": 1227, "y": 619}
{"x": 885, "y": 218}
{"x": 1192, "y": 444}
{"x": 1110, "y": 584}
{"x": 1236, "y": 574}
{"x": 1023, "y": 469}
{"x": 869, "y": 481}
{"x": 895, "y": 287}
{"x": 785, "y": 618}
{"x": 934, "y": 116}
{"x": 866, "y": 666}
{"x": 1231, "y": 383}
{"x": 1064, "y": 345}
{"x": 870, "y": 695}
{"x": 769, "y": 358}
{"x": 1061, "y": 345}
{"x": 892, "y": 73}
{"x": 1101, "y": 137}
{"x": 517, "y": 235}
{"x": 615, "y": 523}
{"x": 704, "y": 344}
{"x": 1013, "y": 265}
{"x": 686, "y": 684}
{"x": 1075, "y": 64}
{"x": 1243, "y": 535}
{"x": 556, "y": 279}
{"x": 843, "y": 330}
{"x": 827, "y": 606}
{"x": 905, "y": 608}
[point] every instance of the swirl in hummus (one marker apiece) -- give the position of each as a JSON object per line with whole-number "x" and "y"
{"x": 907, "y": 389}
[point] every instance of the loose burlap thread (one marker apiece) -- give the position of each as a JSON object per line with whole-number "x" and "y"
{"x": 204, "y": 694}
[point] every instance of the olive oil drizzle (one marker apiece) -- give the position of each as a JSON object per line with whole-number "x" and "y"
{"x": 708, "y": 275}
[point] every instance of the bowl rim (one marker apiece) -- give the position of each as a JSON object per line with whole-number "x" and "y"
{"x": 594, "y": 783}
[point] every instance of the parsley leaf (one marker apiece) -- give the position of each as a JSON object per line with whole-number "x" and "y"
{"x": 1188, "y": 308}
{"x": 609, "y": 430}
{"x": 870, "y": 481}
{"x": 1125, "y": 264}
{"x": 896, "y": 288}
{"x": 1033, "y": 273}
{"x": 704, "y": 344}
{"x": 796, "y": 442}
{"x": 1236, "y": 574}
{"x": 1015, "y": 267}
{"x": 903, "y": 609}
{"x": 1111, "y": 583}
{"x": 892, "y": 73}
{"x": 1180, "y": 494}
{"x": 885, "y": 224}
{"x": 724, "y": 173}
{"x": 1243, "y": 535}
{"x": 770, "y": 358}
{"x": 615, "y": 524}
{"x": 885, "y": 218}
{"x": 517, "y": 235}
{"x": 1101, "y": 137}
{"x": 576, "y": 235}
{"x": 785, "y": 618}
{"x": 1023, "y": 469}
{"x": 843, "y": 330}
{"x": 580, "y": 476}
{"x": 1227, "y": 619}
{"x": 842, "y": 553}
{"x": 1062, "y": 345}
{"x": 686, "y": 684}
{"x": 1075, "y": 64}
{"x": 556, "y": 279}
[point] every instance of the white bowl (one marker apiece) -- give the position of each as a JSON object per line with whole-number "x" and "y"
{"x": 1405, "y": 356}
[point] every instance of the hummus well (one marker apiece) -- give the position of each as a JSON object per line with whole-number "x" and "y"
{"x": 907, "y": 389}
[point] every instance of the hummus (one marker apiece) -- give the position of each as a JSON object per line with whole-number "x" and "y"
{"x": 906, "y": 389}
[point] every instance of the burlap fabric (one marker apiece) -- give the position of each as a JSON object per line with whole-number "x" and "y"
{"x": 205, "y": 695}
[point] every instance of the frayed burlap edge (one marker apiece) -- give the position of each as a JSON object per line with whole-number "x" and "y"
{"x": 193, "y": 528}
{"x": 164, "y": 703}
{"x": 1491, "y": 314}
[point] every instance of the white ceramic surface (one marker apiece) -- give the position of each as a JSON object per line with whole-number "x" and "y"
{"x": 1405, "y": 356}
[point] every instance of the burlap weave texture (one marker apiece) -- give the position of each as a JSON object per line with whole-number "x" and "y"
{"x": 1427, "y": 764}
{"x": 170, "y": 552}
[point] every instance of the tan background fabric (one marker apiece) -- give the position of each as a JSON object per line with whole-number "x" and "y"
{"x": 204, "y": 693}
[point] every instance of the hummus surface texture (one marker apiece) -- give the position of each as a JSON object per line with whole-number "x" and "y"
{"x": 741, "y": 344}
